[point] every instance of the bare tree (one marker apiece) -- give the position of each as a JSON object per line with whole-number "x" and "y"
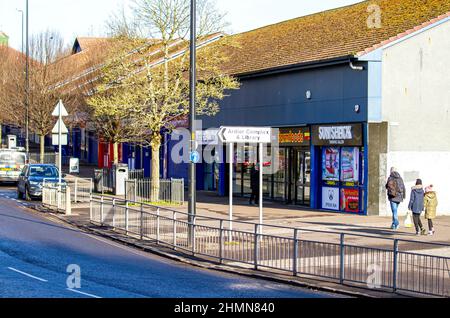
{"x": 155, "y": 74}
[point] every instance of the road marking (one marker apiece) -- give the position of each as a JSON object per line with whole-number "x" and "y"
{"x": 28, "y": 275}
{"x": 85, "y": 294}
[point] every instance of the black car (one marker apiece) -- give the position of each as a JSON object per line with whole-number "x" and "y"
{"x": 32, "y": 178}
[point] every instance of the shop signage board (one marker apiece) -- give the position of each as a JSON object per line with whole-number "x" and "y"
{"x": 74, "y": 165}
{"x": 294, "y": 137}
{"x": 350, "y": 200}
{"x": 245, "y": 135}
{"x": 256, "y": 135}
{"x": 337, "y": 135}
{"x": 330, "y": 198}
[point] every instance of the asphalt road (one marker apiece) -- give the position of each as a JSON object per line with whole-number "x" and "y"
{"x": 35, "y": 254}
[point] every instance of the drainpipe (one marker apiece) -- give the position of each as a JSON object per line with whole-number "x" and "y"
{"x": 356, "y": 68}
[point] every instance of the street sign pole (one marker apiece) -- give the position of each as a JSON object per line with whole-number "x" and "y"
{"x": 60, "y": 144}
{"x": 261, "y": 174}
{"x": 251, "y": 135}
{"x": 192, "y": 109}
{"x": 230, "y": 159}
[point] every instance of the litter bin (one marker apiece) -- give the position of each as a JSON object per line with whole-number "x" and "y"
{"x": 120, "y": 176}
{"x": 98, "y": 180}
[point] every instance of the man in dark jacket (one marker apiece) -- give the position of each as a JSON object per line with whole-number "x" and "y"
{"x": 416, "y": 205}
{"x": 254, "y": 184}
{"x": 396, "y": 194}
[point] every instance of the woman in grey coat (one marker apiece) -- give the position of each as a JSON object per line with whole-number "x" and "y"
{"x": 416, "y": 205}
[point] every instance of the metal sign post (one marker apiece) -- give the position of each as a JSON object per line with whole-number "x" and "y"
{"x": 261, "y": 175}
{"x": 60, "y": 129}
{"x": 231, "y": 155}
{"x": 250, "y": 135}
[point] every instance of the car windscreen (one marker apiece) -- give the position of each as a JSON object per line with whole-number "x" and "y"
{"x": 12, "y": 158}
{"x": 42, "y": 171}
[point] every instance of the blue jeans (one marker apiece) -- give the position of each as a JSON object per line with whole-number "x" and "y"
{"x": 394, "y": 208}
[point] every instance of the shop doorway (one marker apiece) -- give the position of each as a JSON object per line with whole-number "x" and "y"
{"x": 299, "y": 184}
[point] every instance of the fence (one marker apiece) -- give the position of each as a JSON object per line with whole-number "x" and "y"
{"x": 381, "y": 263}
{"x": 142, "y": 191}
{"x": 56, "y": 198}
{"x": 105, "y": 182}
{"x": 49, "y": 158}
{"x": 81, "y": 189}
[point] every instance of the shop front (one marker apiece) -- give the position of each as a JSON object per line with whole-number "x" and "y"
{"x": 290, "y": 180}
{"x": 340, "y": 154}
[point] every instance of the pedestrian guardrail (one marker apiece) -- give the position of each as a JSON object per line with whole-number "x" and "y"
{"x": 144, "y": 191}
{"x": 104, "y": 179}
{"x": 81, "y": 189}
{"x": 379, "y": 263}
{"x": 56, "y": 198}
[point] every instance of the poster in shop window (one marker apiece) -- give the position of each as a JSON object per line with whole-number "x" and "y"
{"x": 330, "y": 164}
{"x": 350, "y": 200}
{"x": 350, "y": 164}
{"x": 330, "y": 198}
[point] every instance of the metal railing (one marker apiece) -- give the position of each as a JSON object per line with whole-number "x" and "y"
{"x": 136, "y": 174}
{"x": 143, "y": 191}
{"x": 81, "y": 189}
{"x": 104, "y": 179}
{"x": 56, "y": 198}
{"x": 375, "y": 262}
{"x": 49, "y": 158}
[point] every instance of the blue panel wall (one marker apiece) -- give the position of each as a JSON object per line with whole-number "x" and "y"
{"x": 280, "y": 100}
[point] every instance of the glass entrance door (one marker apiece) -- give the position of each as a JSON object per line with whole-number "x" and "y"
{"x": 300, "y": 184}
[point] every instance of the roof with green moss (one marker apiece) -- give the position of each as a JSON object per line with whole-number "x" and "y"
{"x": 331, "y": 34}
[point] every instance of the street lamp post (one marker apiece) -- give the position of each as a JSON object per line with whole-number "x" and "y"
{"x": 27, "y": 85}
{"x": 192, "y": 100}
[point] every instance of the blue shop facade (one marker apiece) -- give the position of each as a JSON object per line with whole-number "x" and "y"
{"x": 320, "y": 111}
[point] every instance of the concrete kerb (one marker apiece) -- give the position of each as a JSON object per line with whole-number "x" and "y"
{"x": 321, "y": 286}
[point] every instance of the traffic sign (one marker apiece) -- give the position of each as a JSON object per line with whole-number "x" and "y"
{"x": 195, "y": 157}
{"x": 60, "y": 110}
{"x": 59, "y": 124}
{"x": 259, "y": 135}
{"x": 55, "y": 140}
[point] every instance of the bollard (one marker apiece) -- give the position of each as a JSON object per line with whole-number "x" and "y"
{"x": 68, "y": 203}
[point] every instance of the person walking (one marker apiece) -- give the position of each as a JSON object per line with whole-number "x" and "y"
{"x": 396, "y": 192}
{"x": 430, "y": 204}
{"x": 416, "y": 206}
{"x": 254, "y": 184}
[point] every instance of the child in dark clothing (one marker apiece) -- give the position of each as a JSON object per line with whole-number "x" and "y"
{"x": 416, "y": 205}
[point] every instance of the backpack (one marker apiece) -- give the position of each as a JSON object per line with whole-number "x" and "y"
{"x": 392, "y": 188}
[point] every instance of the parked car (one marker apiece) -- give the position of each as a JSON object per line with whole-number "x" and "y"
{"x": 12, "y": 163}
{"x": 31, "y": 180}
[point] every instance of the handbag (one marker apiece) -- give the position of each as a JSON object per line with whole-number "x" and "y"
{"x": 408, "y": 220}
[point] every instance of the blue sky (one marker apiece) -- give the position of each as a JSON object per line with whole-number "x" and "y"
{"x": 87, "y": 17}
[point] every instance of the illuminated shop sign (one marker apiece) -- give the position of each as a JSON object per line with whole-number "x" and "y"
{"x": 298, "y": 136}
{"x": 337, "y": 135}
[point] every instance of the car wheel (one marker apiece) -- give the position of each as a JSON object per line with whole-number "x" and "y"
{"x": 27, "y": 195}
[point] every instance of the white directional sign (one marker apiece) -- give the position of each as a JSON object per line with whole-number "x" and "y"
{"x": 59, "y": 124}
{"x": 60, "y": 109}
{"x": 258, "y": 135}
